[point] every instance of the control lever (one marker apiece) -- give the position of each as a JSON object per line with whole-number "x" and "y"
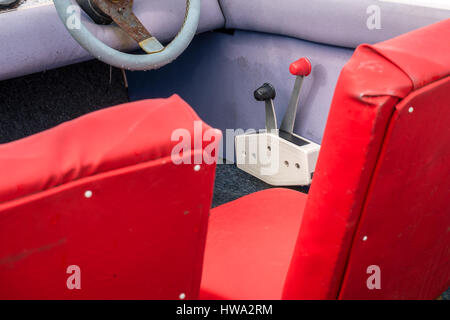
{"x": 267, "y": 94}
{"x": 279, "y": 157}
{"x": 301, "y": 69}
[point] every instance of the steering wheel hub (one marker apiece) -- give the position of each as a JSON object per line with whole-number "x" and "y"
{"x": 121, "y": 12}
{"x": 94, "y": 12}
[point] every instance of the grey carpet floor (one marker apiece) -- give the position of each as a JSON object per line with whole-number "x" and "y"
{"x": 41, "y": 101}
{"x": 232, "y": 183}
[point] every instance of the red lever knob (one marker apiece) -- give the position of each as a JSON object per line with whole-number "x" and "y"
{"x": 301, "y": 67}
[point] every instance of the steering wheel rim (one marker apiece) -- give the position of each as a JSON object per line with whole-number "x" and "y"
{"x": 130, "y": 61}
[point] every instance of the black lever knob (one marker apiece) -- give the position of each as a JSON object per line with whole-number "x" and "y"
{"x": 265, "y": 92}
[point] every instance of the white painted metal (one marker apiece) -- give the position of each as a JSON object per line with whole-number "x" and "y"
{"x": 276, "y": 161}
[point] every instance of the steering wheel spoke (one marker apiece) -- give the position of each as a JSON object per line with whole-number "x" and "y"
{"x": 121, "y": 12}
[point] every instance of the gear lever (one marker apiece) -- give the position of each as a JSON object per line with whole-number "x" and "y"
{"x": 301, "y": 69}
{"x": 279, "y": 157}
{"x": 267, "y": 94}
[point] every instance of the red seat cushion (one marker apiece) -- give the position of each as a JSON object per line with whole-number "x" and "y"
{"x": 250, "y": 244}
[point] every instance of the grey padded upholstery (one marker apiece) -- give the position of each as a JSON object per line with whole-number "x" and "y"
{"x": 334, "y": 22}
{"x": 6, "y": 2}
{"x": 34, "y": 39}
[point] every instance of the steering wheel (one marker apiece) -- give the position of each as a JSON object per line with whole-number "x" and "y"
{"x": 121, "y": 12}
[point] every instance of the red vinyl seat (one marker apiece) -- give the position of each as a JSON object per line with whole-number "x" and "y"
{"x": 250, "y": 245}
{"x": 379, "y": 198}
{"x": 102, "y": 193}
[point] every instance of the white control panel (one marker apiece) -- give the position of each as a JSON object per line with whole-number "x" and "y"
{"x": 275, "y": 160}
{"x": 278, "y": 156}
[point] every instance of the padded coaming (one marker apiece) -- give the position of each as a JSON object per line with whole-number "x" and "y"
{"x": 333, "y": 22}
{"x": 34, "y": 39}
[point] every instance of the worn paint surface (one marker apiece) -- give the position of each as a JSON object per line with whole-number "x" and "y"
{"x": 121, "y": 11}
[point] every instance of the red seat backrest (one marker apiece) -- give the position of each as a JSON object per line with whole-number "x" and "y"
{"x": 102, "y": 193}
{"x": 380, "y": 195}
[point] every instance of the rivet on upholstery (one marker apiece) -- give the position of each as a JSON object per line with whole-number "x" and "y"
{"x": 197, "y": 168}
{"x": 182, "y": 296}
{"x": 88, "y": 194}
{"x": 411, "y": 109}
{"x": 364, "y": 238}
